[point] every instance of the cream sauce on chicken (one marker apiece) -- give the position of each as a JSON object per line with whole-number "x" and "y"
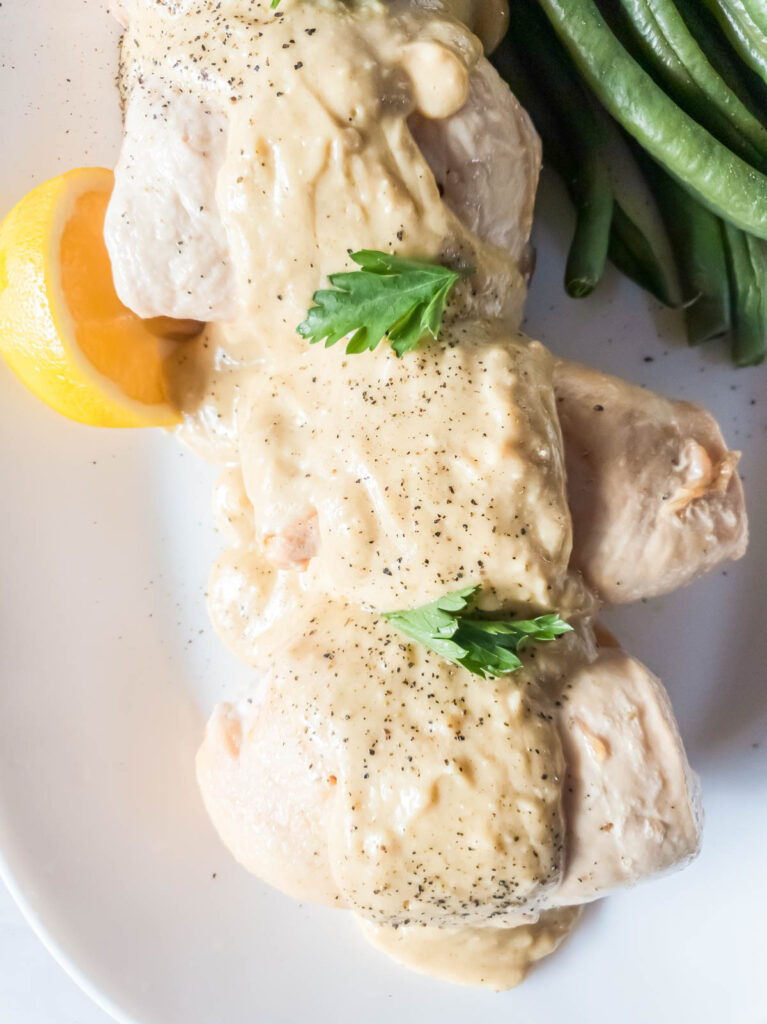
{"x": 497, "y": 958}
{"x": 423, "y": 473}
{"x": 356, "y": 484}
{"x": 446, "y": 795}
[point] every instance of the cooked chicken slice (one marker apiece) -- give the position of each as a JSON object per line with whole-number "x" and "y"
{"x": 173, "y": 149}
{"x": 632, "y": 808}
{"x": 174, "y": 175}
{"x": 653, "y": 491}
{"x": 360, "y": 751}
{"x": 269, "y": 795}
{"x": 270, "y": 799}
{"x": 486, "y": 160}
{"x": 654, "y": 494}
{"x": 631, "y": 800}
{"x": 296, "y": 543}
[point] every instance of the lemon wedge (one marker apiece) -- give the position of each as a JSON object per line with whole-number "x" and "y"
{"x": 63, "y": 330}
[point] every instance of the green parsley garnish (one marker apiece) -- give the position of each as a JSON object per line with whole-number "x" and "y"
{"x": 486, "y": 647}
{"x": 390, "y": 297}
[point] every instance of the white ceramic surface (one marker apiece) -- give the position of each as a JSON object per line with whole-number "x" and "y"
{"x": 33, "y": 987}
{"x": 108, "y": 666}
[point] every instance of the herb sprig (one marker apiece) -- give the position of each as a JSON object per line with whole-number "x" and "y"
{"x": 486, "y": 647}
{"x": 400, "y": 299}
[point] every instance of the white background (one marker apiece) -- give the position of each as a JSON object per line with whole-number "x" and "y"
{"x": 106, "y": 539}
{"x": 33, "y": 988}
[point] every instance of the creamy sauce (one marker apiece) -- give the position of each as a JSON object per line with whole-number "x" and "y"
{"x": 315, "y": 104}
{"x": 448, "y": 806}
{"x": 426, "y": 800}
{"x": 429, "y": 805}
{"x": 497, "y": 958}
{"x": 425, "y": 473}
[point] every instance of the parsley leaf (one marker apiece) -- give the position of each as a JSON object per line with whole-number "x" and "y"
{"x": 389, "y": 297}
{"x": 486, "y": 647}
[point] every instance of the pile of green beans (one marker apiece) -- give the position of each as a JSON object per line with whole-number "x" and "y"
{"x": 677, "y": 88}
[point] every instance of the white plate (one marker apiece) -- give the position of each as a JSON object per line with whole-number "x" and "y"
{"x": 109, "y": 666}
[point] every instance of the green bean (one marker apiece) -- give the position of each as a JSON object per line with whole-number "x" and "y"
{"x": 580, "y": 128}
{"x": 670, "y": 52}
{"x": 747, "y": 265}
{"x": 594, "y": 211}
{"x": 722, "y": 180}
{"x": 555, "y": 79}
{"x": 696, "y": 237}
{"x": 628, "y": 247}
{"x": 631, "y": 252}
{"x": 758, "y": 11}
{"x": 744, "y": 34}
{"x": 751, "y": 89}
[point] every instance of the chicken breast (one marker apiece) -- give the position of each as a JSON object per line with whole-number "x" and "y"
{"x": 270, "y": 795}
{"x": 653, "y": 490}
{"x": 486, "y": 159}
{"x": 632, "y": 804}
{"x": 632, "y": 808}
{"x": 182, "y": 210}
{"x": 417, "y": 500}
{"x": 342, "y": 783}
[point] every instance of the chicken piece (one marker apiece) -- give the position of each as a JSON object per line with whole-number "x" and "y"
{"x": 269, "y": 795}
{"x": 178, "y": 174}
{"x": 358, "y": 753}
{"x": 173, "y": 150}
{"x": 398, "y": 521}
{"x": 632, "y": 808}
{"x": 296, "y": 544}
{"x": 631, "y": 801}
{"x": 486, "y": 159}
{"x": 653, "y": 491}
